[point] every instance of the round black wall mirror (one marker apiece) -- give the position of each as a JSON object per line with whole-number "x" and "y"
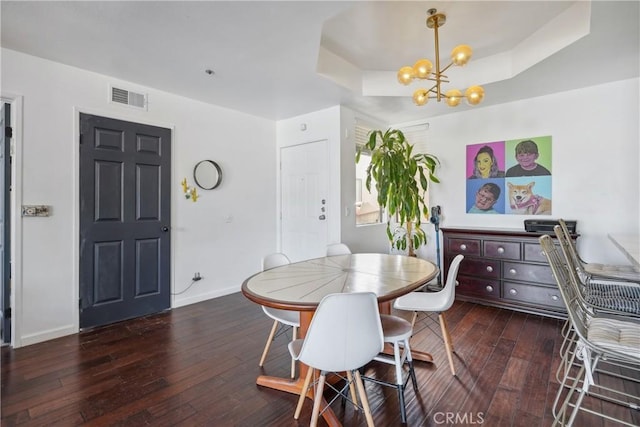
{"x": 207, "y": 174}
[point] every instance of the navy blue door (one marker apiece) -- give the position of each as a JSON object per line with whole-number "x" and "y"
{"x": 125, "y": 218}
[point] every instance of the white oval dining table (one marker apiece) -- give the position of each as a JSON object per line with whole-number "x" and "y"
{"x": 300, "y": 286}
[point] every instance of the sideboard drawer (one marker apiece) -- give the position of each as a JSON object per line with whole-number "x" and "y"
{"x": 528, "y": 294}
{"x": 464, "y": 246}
{"x": 533, "y": 252}
{"x": 528, "y": 272}
{"x": 503, "y": 250}
{"x": 480, "y": 267}
{"x": 478, "y": 287}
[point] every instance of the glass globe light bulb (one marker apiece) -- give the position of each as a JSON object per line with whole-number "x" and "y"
{"x": 420, "y": 97}
{"x": 405, "y": 75}
{"x": 454, "y": 96}
{"x": 461, "y": 54}
{"x": 474, "y": 95}
{"x": 422, "y": 68}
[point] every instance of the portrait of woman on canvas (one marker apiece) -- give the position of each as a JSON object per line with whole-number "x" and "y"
{"x": 486, "y": 164}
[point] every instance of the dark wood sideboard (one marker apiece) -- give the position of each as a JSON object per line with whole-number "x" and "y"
{"x": 503, "y": 268}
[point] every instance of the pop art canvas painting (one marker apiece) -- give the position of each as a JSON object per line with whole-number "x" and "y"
{"x": 509, "y": 177}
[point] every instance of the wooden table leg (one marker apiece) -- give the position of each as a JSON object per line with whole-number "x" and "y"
{"x": 295, "y": 386}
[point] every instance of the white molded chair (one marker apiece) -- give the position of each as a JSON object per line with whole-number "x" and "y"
{"x": 435, "y": 302}
{"x": 344, "y": 335}
{"x": 338, "y": 249}
{"x": 280, "y": 317}
{"x": 397, "y": 332}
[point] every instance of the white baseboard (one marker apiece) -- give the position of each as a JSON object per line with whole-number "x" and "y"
{"x": 47, "y": 335}
{"x": 203, "y": 297}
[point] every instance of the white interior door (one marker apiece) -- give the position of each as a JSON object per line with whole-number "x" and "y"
{"x": 304, "y": 184}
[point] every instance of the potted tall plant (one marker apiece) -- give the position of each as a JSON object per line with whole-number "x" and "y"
{"x": 401, "y": 179}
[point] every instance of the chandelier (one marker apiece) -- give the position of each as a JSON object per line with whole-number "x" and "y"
{"x": 422, "y": 69}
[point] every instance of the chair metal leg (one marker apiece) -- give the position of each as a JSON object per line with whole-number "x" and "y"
{"x": 399, "y": 360}
{"x": 406, "y": 356}
{"x": 267, "y": 346}
{"x": 412, "y": 374}
{"x": 403, "y": 410}
{"x": 398, "y": 363}
{"x": 447, "y": 341}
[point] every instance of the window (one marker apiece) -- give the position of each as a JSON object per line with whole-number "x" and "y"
{"x": 368, "y": 211}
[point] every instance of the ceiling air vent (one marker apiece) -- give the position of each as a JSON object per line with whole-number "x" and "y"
{"x": 123, "y": 96}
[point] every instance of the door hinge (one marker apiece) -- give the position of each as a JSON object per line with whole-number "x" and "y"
{"x": 7, "y": 313}
{"x": 80, "y": 139}
{"x": 80, "y": 304}
{"x": 8, "y": 132}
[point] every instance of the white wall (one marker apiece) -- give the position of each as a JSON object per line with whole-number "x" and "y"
{"x": 210, "y": 236}
{"x": 595, "y": 140}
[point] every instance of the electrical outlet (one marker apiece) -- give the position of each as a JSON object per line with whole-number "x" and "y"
{"x": 196, "y": 276}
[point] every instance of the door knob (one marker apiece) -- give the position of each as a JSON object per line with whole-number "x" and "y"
{"x": 322, "y": 217}
{"x": 165, "y": 228}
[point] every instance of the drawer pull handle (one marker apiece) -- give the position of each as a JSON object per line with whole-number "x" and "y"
{"x": 457, "y": 283}
{"x": 513, "y": 271}
{"x": 463, "y": 247}
{"x": 489, "y": 268}
{"x": 489, "y": 288}
{"x": 542, "y": 253}
{"x": 554, "y": 297}
{"x": 513, "y": 292}
{"x": 500, "y": 250}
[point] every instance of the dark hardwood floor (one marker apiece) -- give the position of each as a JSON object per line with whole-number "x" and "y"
{"x": 197, "y": 365}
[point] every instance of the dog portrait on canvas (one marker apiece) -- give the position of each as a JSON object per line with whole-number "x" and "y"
{"x": 523, "y": 201}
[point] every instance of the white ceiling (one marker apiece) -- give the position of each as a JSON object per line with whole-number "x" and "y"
{"x": 281, "y": 59}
